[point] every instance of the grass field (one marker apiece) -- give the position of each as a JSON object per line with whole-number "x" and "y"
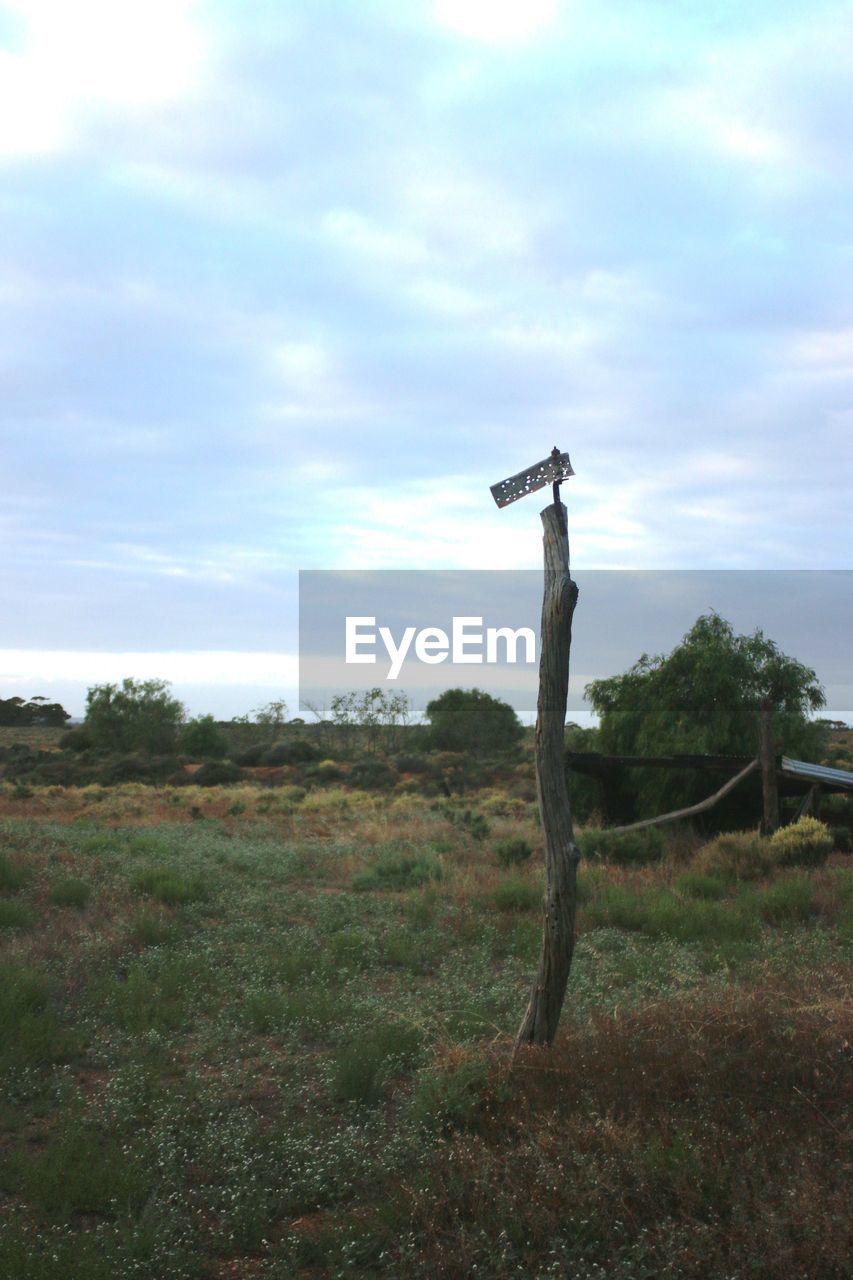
{"x": 251, "y": 1033}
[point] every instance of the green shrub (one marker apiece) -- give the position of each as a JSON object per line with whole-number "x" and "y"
{"x": 326, "y": 772}
{"x": 364, "y": 1067}
{"x": 614, "y": 907}
{"x": 517, "y": 895}
{"x": 806, "y": 843}
{"x": 348, "y": 949}
{"x": 511, "y": 853}
{"x": 264, "y": 1011}
{"x": 169, "y": 886}
{"x": 76, "y": 739}
{"x": 695, "y": 885}
{"x": 202, "y": 739}
{"x": 842, "y": 839}
{"x": 217, "y": 773}
{"x": 70, "y": 893}
{"x": 469, "y": 820}
{"x": 411, "y": 763}
{"x": 299, "y": 751}
{"x": 788, "y": 901}
{"x": 398, "y": 872}
{"x": 735, "y": 855}
{"x": 15, "y": 915}
{"x": 30, "y": 1031}
{"x": 83, "y": 1170}
{"x": 13, "y": 876}
{"x": 698, "y": 920}
{"x": 150, "y": 930}
{"x": 454, "y": 1097}
{"x": 622, "y": 848}
{"x": 372, "y": 775}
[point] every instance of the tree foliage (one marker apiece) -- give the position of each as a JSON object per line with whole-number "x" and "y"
{"x": 470, "y": 720}
{"x": 372, "y": 719}
{"x": 703, "y": 698}
{"x": 138, "y": 715}
{"x": 203, "y": 738}
{"x": 38, "y": 711}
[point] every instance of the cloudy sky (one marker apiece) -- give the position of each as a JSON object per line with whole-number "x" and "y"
{"x": 289, "y": 285}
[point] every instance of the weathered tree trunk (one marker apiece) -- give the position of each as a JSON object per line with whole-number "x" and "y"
{"x": 767, "y": 756}
{"x": 561, "y": 856}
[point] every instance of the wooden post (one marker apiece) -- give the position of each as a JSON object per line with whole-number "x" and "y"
{"x": 767, "y": 756}
{"x": 539, "y": 1025}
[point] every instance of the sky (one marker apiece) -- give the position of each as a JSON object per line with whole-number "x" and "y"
{"x": 288, "y": 286}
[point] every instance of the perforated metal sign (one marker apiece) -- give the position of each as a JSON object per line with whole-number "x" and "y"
{"x": 551, "y": 470}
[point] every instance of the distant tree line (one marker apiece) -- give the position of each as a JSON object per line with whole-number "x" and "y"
{"x": 38, "y": 712}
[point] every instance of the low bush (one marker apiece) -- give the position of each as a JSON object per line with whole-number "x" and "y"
{"x": 735, "y": 855}
{"x": 136, "y": 768}
{"x": 169, "y": 886}
{"x": 299, "y": 751}
{"x": 806, "y": 843}
{"x": 517, "y": 895}
{"x": 695, "y": 885}
{"x": 30, "y": 1031}
{"x": 468, "y": 820}
{"x": 76, "y": 739}
{"x": 326, "y": 772}
{"x": 410, "y": 763}
{"x": 372, "y": 775}
{"x": 15, "y": 914}
{"x": 398, "y": 872}
{"x": 842, "y": 839}
{"x": 454, "y": 1097}
{"x": 622, "y": 848}
{"x": 789, "y": 901}
{"x": 217, "y": 773}
{"x": 151, "y": 930}
{"x": 513, "y": 852}
{"x": 366, "y": 1065}
{"x": 202, "y": 738}
{"x": 614, "y": 907}
{"x": 70, "y": 893}
{"x": 13, "y": 876}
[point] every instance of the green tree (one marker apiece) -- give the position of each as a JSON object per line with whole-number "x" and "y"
{"x": 703, "y": 698}
{"x": 470, "y": 720}
{"x": 372, "y": 719}
{"x": 138, "y": 715}
{"x": 202, "y": 737}
{"x": 38, "y": 711}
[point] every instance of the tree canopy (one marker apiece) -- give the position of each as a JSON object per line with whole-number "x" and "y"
{"x": 38, "y": 711}
{"x": 703, "y": 698}
{"x": 138, "y": 715}
{"x": 470, "y": 720}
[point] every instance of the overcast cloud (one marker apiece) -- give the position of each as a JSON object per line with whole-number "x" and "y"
{"x": 289, "y": 286}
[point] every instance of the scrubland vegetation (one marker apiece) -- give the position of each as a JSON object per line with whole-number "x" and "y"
{"x": 259, "y": 1031}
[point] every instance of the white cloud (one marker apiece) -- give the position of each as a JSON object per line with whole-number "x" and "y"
{"x": 22, "y": 667}
{"x": 497, "y": 22}
{"x": 361, "y": 235}
{"x": 94, "y": 53}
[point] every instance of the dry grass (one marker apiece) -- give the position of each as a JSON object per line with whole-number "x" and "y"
{"x": 689, "y": 1122}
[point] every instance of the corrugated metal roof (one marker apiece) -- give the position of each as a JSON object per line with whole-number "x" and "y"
{"x": 818, "y": 773}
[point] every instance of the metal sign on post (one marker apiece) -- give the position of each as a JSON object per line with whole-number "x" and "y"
{"x": 551, "y": 470}
{"x": 539, "y": 1025}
